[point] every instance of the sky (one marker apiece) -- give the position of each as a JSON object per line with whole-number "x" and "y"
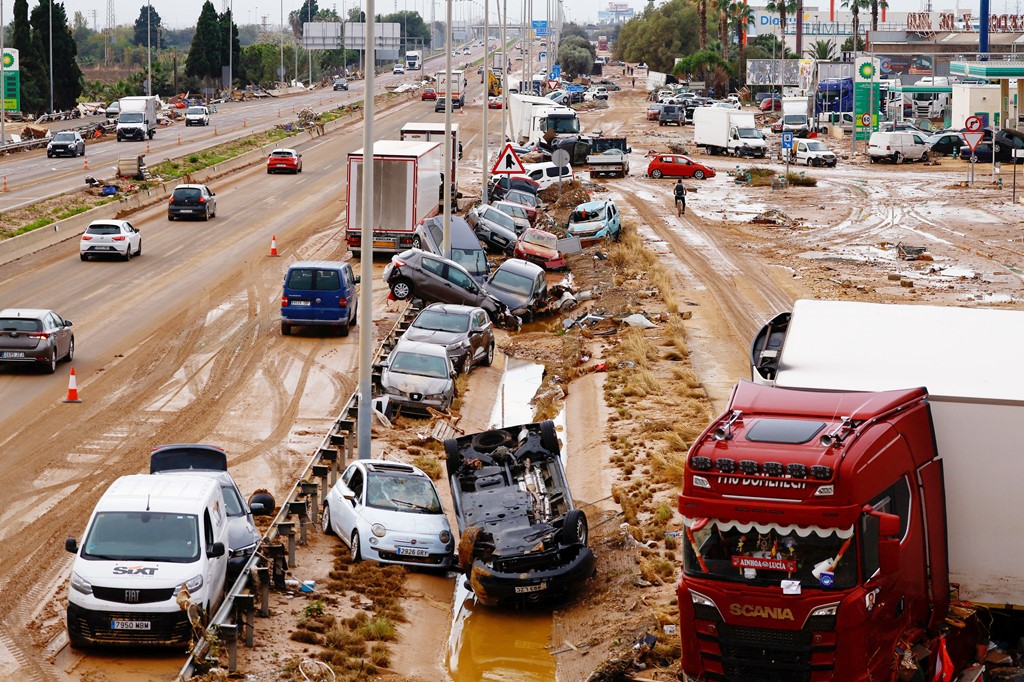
{"x": 182, "y": 13}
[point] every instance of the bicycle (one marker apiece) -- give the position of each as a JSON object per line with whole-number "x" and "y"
{"x": 680, "y": 206}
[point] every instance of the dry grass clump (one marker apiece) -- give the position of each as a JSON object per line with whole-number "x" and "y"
{"x": 430, "y": 465}
{"x": 628, "y": 504}
{"x": 631, "y": 259}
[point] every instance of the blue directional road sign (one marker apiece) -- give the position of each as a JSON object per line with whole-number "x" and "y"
{"x": 787, "y": 140}
{"x": 556, "y": 72}
{"x": 540, "y": 27}
{"x": 542, "y": 55}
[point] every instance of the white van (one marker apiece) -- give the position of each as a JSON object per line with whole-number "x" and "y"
{"x": 547, "y": 174}
{"x": 149, "y": 539}
{"x": 897, "y": 147}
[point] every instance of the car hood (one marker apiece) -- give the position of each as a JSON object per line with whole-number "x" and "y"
{"x": 435, "y": 337}
{"x": 539, "y": 251}
{"x": 414, "y": 383}
{"x": 241, "y": 532}
{"x": 513, "y": 301}
{"x": 399, "y": 522}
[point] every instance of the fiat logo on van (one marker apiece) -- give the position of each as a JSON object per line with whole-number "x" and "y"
{"x": 131, "y": 596}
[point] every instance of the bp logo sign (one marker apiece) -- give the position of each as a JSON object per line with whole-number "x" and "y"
{"x": 867, "y": 70}
{"x": 10, "y": 59}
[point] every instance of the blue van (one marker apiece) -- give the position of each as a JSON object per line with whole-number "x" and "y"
{"x": 319, "y": 293}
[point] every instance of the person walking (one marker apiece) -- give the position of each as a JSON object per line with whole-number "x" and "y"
{"x": 680, "y": 194}
{"x": 634, "y": 82}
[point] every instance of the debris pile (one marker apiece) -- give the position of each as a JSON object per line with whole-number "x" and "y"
{"x": 773, "y": 216}
{"x": 572, "y": 195}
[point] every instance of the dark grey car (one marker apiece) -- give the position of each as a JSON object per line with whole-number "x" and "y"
{"x": 465, "y": 247}
{"x": 495, "y": 228}
{"x": 341, "y": 84}
{"x": 465, "y": 332}
{"x": 417, "y": 274}
{"x": 417, "y": 376}
{"x": 35, "y": 336}
{"x": 66, "y": 143}
{"x": 520, "y": 285}
{"x": 192, "y": 201}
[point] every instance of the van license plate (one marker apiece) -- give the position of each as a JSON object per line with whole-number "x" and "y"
{"x": 412, "y": 551}
{"x": 130, "y": 625}
{"x": 523, "y": 589}
{"x": 299, "y": 303}
{"x": 12, "y": 354}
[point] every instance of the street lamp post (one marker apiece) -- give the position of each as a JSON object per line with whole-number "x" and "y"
{"x": 487, "y": 80}
{"x": 50, "y": 6}
{"x": 3, "y": 82}
{"x": 280, "y": 71}
{"x": 231, "y": 48}
{"x": 446, "y": 241}
{"x": 363, "y": 424}
{"x": 149, "y": 49}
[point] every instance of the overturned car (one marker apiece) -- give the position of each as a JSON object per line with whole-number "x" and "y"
{"x": 522, "y": 540}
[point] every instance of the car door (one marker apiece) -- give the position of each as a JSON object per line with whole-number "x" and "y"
{"x": 614, "y": 220}
{"x": 433, "y": 285}
{"x": 210, "y": 198}
{"x": 461, "y": 287}
{"x": 134, "y": 238}
{"x": 684, "y": 168}
{"x": 347, "y": 514}
{"x": 61, "y": 334}
{"x": 479, "y": 324}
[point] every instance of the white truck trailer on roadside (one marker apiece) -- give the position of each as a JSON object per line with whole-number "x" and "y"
{"x": 458, "y": 87}
{"x": 413, "y": 60}
{"x": 727, "y": 131}
{"x": 137, "y": 119}
{"x": 423, "y": 131}
{"x": 406, "y": 189}
{"x": 796, "y": 113}
{"x": 538, "y": 119}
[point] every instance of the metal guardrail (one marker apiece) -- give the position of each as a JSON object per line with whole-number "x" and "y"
{"x": 268, "y": 561}
{"x": 85, "y": 131}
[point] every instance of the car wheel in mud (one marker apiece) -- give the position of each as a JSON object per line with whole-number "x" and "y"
{"x": 451, "y": 452}
{"x": 574, "y": 528}
{"x": 489, "y": 441}
{"x": 467, "y": 548}
{"x": 264, "y": 498}
{"x": 286, "y": 329}
{"x": 401, "y": 288}
{"x": 417, "y": 243}
{"x": 924, "y": 157}
{"x": 325, "y": 521}
{"x": 489, "y": 358}
{"x": 548, "y": 436}
{"x": 354, "y": 554}
{"x": 656, "y": 174}
{"x": 699, "y": 174}
{"x": 897, "y": 158}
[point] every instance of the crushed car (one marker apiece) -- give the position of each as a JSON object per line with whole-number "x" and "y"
{"x": 521, "y": 538}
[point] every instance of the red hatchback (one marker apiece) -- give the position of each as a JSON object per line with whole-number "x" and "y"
{"x": 540, "y": 247}
{"x": 428, "y": 93}
{"x": 284, "y": 161}
{"x": 678, "y": 166}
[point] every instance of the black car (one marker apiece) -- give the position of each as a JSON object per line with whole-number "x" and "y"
{"x": 521, "y": 538}
{"x": 341, "y": 84}
{"x": 1006, "y": 142}
{"x": 192, "y": 201}
{"x": 945, "y": 143}
{"x": 65, "y": 143}
{"x": 520, "y": 285}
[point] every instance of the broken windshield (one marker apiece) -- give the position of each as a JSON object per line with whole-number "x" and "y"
{"x": 766, "y": 554}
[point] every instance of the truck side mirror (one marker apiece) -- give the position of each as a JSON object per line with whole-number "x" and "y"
{"x": 889, "y": 533}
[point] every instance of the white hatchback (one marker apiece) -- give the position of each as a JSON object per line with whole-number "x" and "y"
{"x": 110, "y": 238}
{"x": 389, "y": 512}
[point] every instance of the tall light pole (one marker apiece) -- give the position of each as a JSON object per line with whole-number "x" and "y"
{"x": 504, "y": 71}
{"x": 50, "y": 6}
{"x": 309, "y": 51}
{"x": 3, "y": 82}
{"x": 446, "y": 240}
{"x": 149, "y": 48}
{"x": 231, "y": 49}
{"x": 487, "y": 109}
{"x": 280, "y": 71}
{"x": 366, "y": 340}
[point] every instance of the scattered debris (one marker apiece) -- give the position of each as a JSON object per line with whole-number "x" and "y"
{"x": 907, "y": 252}
{"x": 773, "y": 216}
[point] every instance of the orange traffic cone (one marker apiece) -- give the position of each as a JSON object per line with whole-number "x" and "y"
{"x": 72, "y": 389}
{"x": 273, "y": 245}
{"x": 179, "y": 138}
{"x": 5, "y": 184}
{"x": 85, "y": 164}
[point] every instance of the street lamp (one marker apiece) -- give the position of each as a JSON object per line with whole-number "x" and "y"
{"x": 280, "y": 71}
{"x": 3, "y": 82}
{"x": 50, "y": 6}
{"x": 149, "y": 49}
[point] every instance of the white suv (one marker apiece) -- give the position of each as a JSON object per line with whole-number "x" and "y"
{"x": 547, "y": 174}
{"x": 197, "y": 116}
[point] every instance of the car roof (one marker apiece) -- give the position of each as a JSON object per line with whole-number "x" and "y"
{"x": 187, "y": 186}
{"x": 453, "y": 308}
{"x": 388, "y": 466}
{"x": 323, "y": 264}
{"x": 593, "y": 205}
{"x": 463, "y": 236}
{"x": 27, "y": 313}
{"x": 284, "y": 149}
{"x": 111, "y": 221}
{"x": 420, "y": 347}
{"x": 521, "y": 267}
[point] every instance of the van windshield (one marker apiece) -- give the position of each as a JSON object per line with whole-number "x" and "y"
{"x": 749, "y": 133}
{"x": 132, "y": 117}
{"x": 143, "y": 536}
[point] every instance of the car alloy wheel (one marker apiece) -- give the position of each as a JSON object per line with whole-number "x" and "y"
{"x": 51, "y": 363}
{"x": 656, "y": 174}
{"x": 354, "y": 553}
{"x": 417, "y": 243}
{"x": 401, "y": 289}
{"x": 325, "y": 521}
{"x": 699, "y": 174}
{"x": 489, "y": 358}
{"x": 71, "y": 351}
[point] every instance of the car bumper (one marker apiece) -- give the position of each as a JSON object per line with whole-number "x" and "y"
{"x": 417, "y": 407}
{"x": 104, "y": 250}
{"x": 167, "y": 628}
{"x": 186, "y": 212}
{"x": 493, "y": 587}
{"x": 300, "y": 320}
{"x": 131, "y": 134}
{"x": 61, "y": 151}
{"x": 289, "y": 169}
{"x": 27, "y": 355}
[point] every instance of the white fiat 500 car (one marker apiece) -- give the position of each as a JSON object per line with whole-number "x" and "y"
{"x": 389, "y": 512}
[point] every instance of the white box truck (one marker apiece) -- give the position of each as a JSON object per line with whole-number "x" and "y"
{"x": 150, "y": 540}
{"x": 407, "y": 189}
{"x": 458, "y": 88}
{"x": 538, "y": 119}
{"x": 727, "y": 131}
{"x": 137, "y": 119}
{"x": 796, "y": 113}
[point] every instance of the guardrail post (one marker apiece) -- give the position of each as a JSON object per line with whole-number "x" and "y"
{"x": 278, "y": 558}
{"x": 263, "y": 574}
{"x": 301, "y": 510}
{"x": 245, "y": 613}
{"x": 309, "y": 489}
{"x": 331, "y": 456}
{"x": 287, "y": 529}
{"x": 228, "y": 632}
{"x": 322, "y": 471}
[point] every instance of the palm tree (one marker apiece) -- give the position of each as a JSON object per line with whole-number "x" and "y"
{"x": 723, "y": 25}
{"x": 822, "y": 50}
{"x": 855, "y": 6}
{"x": 702, "y": 12}
{"x": 742, "y": 16}
{"x": 875, "y": 6}
{"x": 782, "y": 8}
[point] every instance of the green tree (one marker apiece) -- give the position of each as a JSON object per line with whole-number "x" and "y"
{"x": 574, "y": 59}
{"x": 581, "y": 43}
{"x": 573, "y": 29}
{"x": 855, "y": 6}
{"x": 148, "y": 16}
{"x": 822, "y": 50}
{"x": 661, "y": 34}
{"x": 67, "y": 76}
{"x": 706, "y": 65}
{"x": 702, "y": 14}
{"x": 204, "y": 55}
{"x": 783, "y": 8}
{"x": 723, "y": 9}
{"x": 742, "y": 16}
{"x": 230, "y": 48}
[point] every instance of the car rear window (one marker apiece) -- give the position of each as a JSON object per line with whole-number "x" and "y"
{"x": 310, "y": 279}
{"x": 103, "y": 229}
{"x": 284, "y": 154}
{"x": 186, "y": 193}
{"x": 20, "y": 324}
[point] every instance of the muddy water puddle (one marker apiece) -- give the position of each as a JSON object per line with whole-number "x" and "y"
{"x": 503, "y": 644}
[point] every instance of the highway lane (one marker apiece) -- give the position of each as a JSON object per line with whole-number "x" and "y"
{"x": 32, "y": 177}
{"x": 179, "y": 345}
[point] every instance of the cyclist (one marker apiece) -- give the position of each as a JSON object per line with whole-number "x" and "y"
{"x": 680, "y": 193}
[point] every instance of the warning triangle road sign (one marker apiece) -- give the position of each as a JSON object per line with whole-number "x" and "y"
{"x": 508, "y": 163}
{"x": 973, "y": 139}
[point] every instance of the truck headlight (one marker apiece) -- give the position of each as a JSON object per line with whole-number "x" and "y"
{"x": 80, "y": 584}
{"x": 826, "y": 610}
{"x": 193, "y": 585}
{"x": 378, "y": 529}
{"x": 700, "y": 599}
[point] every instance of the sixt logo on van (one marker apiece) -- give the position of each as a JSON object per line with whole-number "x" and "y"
{"x": 134, "y": 570}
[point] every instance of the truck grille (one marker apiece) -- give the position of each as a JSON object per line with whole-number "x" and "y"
{"x": 167, "y": 629}
{"x": 764, "y": 655}
{"x": 122, "y": 596}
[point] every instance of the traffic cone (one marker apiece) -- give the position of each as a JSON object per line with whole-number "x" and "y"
{"x": 273, "y": 245}
{"x": 179, "y": 138}
{"x": 5, "y": 184}
{"x": 147, "y": 146}
{"x": 85, "y": 164}
{"x": 245, "y": 123}
{"x": 72, "y": 389}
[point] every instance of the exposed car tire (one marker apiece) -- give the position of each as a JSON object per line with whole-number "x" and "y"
{"x": 127, "y": 252}
{"x": 699, "y": 174}
{"x": 574, "y": 528}
{"x": 548, "y": 436}
{"x": 451, "y": 453}
{"x": 49, "y": 155}
{"x": 401, "y": 288}
{"x": 897, "y": 158}
{"x": 417, "y": 243}
{"x": 354, "y": 554}
{"x": 83, "y": 256}
{"x": 344, "y": 329}
{"x": 467, "y": 363}
{"x": 51, "y": 364}
{"x": 139, "y": 252}
{"x": 325, "y": 521}
{"x": 467, "y": 548}
{"x": 924, "y": 157}
{"x": 170, "y": 218}
{"x": 206, "y": 215}
{"x": 656, "y": 174}
{"x": 489, "y": 357}
{"x": 286, "y": 329}
{"x": 266, "y": 499}
{"x": 71, "y": 351}
{"x": 488, "y": 441}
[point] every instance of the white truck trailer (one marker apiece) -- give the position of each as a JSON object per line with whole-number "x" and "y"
{"x": 137, "y": 119}
{"x": 727, "y": 131}
{"x": 538, "y": 119}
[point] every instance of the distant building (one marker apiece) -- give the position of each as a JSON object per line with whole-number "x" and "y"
{"x": 617, "y": 12}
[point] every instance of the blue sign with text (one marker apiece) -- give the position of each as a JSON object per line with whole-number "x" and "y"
{"x": 540, "y": 27}
{"x": 787, "y": 140}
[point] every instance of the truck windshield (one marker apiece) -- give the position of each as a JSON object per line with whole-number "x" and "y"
{"x": 564, "y": 125}
{"x": 816, "y": 146}
{"x": 794, "y": 119}
{"x": 749, "y": 133}
{"x": 765, "y": 554}
{"x": 143, "y": 536}
{"x": 132, "y": 117}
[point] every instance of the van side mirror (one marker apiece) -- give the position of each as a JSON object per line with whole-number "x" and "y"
{"x": 358, "y": 279}
{"x": 257, "y": 509}
{"x": 215, "y": 550}
{"x": 71, "y": 545}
